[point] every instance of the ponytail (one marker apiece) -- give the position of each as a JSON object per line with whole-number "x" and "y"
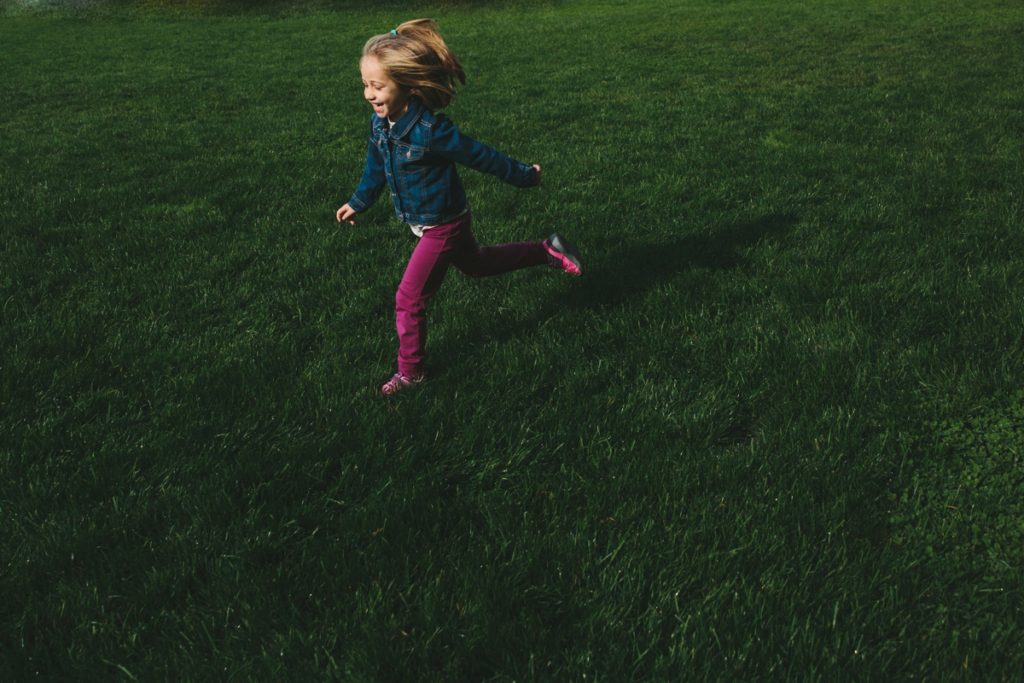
{"x": 416, "y": 57}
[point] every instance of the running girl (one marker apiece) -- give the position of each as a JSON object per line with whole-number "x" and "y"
{"x": 409, "y": 75}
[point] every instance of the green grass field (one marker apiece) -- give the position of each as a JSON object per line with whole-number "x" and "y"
{"x": 776, "y": 432}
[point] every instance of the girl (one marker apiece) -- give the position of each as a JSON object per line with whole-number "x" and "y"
{"x": 408, "y": 75}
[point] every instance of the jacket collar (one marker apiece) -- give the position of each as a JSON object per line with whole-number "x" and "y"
{"x": 403, "y": 125}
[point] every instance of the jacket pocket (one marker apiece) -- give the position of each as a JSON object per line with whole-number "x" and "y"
{"x": 409, "y": 153}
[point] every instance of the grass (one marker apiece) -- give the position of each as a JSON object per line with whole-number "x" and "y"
{"x": 774, "y": 432}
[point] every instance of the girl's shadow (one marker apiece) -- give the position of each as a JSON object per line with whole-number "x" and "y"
{"x": 630, "y": 270}
{"x": 617, "y": 273}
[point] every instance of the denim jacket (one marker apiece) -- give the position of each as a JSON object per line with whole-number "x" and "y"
{"x": 416, "y": 158}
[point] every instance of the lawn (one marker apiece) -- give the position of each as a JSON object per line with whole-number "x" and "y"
{"x": 775, "y": 432}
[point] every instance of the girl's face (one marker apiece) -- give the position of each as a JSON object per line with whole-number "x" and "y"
{"x": 388, "y": 99}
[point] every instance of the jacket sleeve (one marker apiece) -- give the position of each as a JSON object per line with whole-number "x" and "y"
{"x": 372, "y": 182}
{"x": 447, "y": 141}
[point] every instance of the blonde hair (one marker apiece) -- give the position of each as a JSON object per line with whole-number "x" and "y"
{"x": 416, "y": 57}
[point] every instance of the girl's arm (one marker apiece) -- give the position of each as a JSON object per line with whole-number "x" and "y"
{"x": 372, "y": 182}
{"x": 451, "y": 144}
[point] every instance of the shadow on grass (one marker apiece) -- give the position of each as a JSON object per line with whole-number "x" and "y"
{"x": 618, "y": 272}
{"x": 622, "y": 272}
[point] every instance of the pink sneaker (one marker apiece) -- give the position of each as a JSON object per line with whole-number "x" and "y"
{"x": 563, "y": 255}
{"x": 398, "y": 382}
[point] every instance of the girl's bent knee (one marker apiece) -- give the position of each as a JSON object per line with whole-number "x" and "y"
{"x": 471, "y": 267}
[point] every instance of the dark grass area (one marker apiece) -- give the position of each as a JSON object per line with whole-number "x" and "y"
{"x": 774, "y": 432}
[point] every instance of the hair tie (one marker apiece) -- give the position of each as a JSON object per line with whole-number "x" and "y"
{"x": 394, "y": 32}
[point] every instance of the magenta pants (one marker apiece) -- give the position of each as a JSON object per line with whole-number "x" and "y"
{"x": 443, "y": 245}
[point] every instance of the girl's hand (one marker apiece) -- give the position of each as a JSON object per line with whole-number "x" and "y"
{"x": 537, "y": 167}
{"x": 345, "y": 214}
